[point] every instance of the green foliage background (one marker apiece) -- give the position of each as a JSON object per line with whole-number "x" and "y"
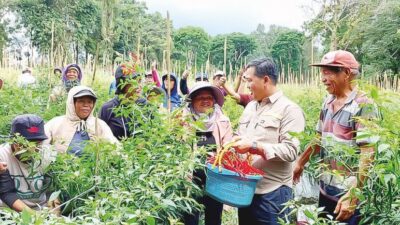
{"x": 144, "y": 181}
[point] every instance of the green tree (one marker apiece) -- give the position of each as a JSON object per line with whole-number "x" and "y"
{"x": 239, "y": 46}
{"x": 191, "y": 43}
{"x": 288, "y": 50}
{"x": 3, "y": 25}
{"x": 265, "y": 39}
{"x": 134, "y": 24}
{"x": 74, "y": 23}
{"x": 335, "y": 20}
{"x": 380, "y": 39}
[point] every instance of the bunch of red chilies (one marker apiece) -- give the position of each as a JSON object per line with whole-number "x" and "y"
{"x": 233, "y": 162}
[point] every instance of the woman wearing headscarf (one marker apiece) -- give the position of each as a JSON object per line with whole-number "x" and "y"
{"x": 71, "y": 77}
{"x": 71, "y": 132}
{"x": 170, "y": 86}
{"x": 205, "y": 105}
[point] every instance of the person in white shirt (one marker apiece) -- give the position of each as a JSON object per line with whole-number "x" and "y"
{"x": 26, "y": 78}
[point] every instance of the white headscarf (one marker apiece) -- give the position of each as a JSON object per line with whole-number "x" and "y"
{"x": 209, "y": 119}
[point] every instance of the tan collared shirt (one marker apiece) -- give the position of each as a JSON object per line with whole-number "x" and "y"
{"x": 270, "y": 123}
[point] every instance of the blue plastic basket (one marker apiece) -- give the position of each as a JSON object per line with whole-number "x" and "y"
{"x": 230, "y": 188}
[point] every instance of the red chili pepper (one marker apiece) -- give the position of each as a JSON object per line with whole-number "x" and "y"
{"x": 233, "y": 162}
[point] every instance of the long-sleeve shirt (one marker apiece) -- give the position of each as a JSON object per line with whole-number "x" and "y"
{"x": 270, "y": 123}
{"x": 31, "y": 187}
{"x": 120, "y": 126}
{"x": 183, "y": 86}
{"x": 156, "y": 78}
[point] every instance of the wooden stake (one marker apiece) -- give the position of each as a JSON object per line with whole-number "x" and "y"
{"x": 95, "y": 63}
{"x": 51, "y": 53}
{"x": 225, "y": 46}
{"x": 169, "y": 60}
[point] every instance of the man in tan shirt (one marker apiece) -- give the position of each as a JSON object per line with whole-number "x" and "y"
{"x": 264, "y": 131}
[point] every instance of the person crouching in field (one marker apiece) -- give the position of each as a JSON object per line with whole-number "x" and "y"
{"x": 128, "y": 91}
{"x": 71, "y": 132}
{"x": 339, "y": 129}
{"x": 23, "y": 183}
{"x": 71, "y": 76}
{"x": 205, "y": 105}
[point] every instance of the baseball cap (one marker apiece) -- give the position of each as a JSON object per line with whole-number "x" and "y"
{"x": 27, "y": 70}
{"x": 29, "y": 126}
{"x": 85, "y": 92}
{"x": 148, "y": 73}
{"x": 219, "y": 73}
{"x": 339, "y": 58}
{"x": 199, "y": 76}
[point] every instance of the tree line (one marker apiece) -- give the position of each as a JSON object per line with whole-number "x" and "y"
{"x": 105, "y": 31}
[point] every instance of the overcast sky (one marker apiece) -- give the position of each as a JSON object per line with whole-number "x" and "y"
{"x": 226, "y": 16}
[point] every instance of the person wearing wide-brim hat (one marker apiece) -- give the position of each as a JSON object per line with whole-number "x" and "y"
{"x": 205, "y": 102}
{"x": 23, "y": 183}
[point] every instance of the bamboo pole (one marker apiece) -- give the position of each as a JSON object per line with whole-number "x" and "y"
{"x": 95, "y": 63}
{"x": 169, "y": 61}
{"x": 195, "y": 64}
{"x": 225, "y": 46}
{"x": 312, "y": 54}
{"x": 138, "y": 46}
{"x": 164, "y": 64}
{"x": 51, "y": 53}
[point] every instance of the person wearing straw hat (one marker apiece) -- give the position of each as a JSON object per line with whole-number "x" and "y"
{"x": 23, "y": 183}
{"x": 265, "y": 131}
{"x": 71, "y": 132}
{"x": 205, "y": 102}
{"x": 340, "y": 128}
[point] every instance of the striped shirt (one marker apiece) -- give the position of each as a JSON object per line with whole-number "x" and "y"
{"x": 342, "y": 132}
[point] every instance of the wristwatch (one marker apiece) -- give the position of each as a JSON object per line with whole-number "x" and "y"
{"x": 254, "y": 146}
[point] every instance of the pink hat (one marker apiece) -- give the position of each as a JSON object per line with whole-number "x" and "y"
{"x": 339, "y": 58}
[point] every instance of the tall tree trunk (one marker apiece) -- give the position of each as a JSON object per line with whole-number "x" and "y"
{"x": 95, "y": 63}
{"x": 77, "y": 52}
